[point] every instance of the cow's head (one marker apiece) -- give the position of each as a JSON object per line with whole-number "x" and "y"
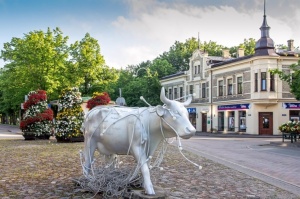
{"x": 176, "y": 116}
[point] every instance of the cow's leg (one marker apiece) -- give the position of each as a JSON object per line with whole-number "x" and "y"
{"x": 89, "y": 150}
{"x": 140, "y": 156}
{"x": 112, "y": 160}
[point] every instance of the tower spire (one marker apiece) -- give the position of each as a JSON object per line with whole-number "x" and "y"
{"x": 264, "y": 8}
{"x": 198, "y": 42}
{"x": 265, "y": 45}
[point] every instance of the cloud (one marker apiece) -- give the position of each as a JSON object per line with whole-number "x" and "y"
{"x": 154, "y": 26}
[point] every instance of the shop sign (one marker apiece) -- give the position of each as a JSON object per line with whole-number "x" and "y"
{"x": 191, "y": 110}
{"x": 233, "y": 107}
{"x": 291, "y": 105}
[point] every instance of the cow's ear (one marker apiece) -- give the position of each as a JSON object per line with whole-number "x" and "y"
{"x": 160, "y": 111}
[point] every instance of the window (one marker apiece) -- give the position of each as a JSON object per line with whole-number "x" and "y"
{"x": 207, "y": 89}
{"x": 229, "y": 83}
{"x": 240, "y": 85}
{"x": 263, "y": 81}
{"x": 175, "y": 93}
{"x": 221, "y": 121}
{"x": 195, "y": 69}
{"x": 203, "y": 90}
{"x": 242, "y": 121}
{"x": 272, "y": 82}
{"x": 221, "y": 88}
{"x": 191, "y": 89}
{"x": 198, "y": 68}
{"x": 255, "y": 82}
{"x": 180, "y": 92}
{"x": 170, "y": 93}
{"x": 231, "y": 122}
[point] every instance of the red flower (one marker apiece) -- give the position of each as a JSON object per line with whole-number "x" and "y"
{"x": 35, "y": 98}
{"x": 100, "y": 99}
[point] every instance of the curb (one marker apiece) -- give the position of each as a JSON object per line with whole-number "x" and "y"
{"x": 236, "y": 135}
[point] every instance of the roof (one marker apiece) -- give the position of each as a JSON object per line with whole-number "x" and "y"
{"x": 217, "y": 58}
{"x": 173, "y": 75}
{"x": 231, "y": 61}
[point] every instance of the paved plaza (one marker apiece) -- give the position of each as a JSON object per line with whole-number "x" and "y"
{"x": 261, "y": 157}
{"x": 273, "y": 165}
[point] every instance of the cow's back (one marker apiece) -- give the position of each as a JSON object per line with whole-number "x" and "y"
{"x": 115, "y": 128}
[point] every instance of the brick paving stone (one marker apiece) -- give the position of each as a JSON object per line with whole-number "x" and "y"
{"x": 180, "y": 179}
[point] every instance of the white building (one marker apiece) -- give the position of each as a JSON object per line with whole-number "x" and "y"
{"x": 238, "y": 94}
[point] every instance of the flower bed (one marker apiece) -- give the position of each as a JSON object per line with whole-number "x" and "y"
{"x": 70, "y": 116}
{"x": 37, "y": 119}
{"x": 98, "y": 99}
{"x": 290, "y": 127}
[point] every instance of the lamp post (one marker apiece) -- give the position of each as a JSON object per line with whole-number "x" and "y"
{"x": 136, "y": 73}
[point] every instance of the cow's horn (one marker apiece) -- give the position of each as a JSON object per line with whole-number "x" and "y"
{"x": 163, "y": 97}
{"x": 188, "y": 101}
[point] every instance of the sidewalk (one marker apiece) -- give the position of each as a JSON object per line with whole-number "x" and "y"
{"x": 239, "y": 135}
{"x": 286, "y": 142}
{"x": 10, "y": 129}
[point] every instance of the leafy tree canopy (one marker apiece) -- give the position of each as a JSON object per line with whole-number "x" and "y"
{"x": 43, "y": 61}
{"x": 293, "y": 79}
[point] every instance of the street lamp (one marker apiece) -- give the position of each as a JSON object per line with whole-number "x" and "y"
{"x": 136, "y": 73}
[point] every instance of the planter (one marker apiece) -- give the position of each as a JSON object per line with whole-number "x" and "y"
{"x": 43, "y": 137}
{"x": 29, "y": 137}
{"x": 290, "y": 135}
{"x": 78, "y": 139}
{"x": 33, "y": 137}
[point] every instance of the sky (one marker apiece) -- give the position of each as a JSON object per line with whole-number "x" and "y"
{"x": 132, "y": 31}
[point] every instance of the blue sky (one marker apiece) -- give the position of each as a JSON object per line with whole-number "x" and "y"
{"x": 131, "y": 31}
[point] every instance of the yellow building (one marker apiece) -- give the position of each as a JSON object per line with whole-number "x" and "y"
{"x": 238, "y": 94}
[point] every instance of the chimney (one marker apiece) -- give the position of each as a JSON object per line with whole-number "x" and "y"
{"x": 240, "y": 52}
{"x": 226, "y": 53}
{"x": 291, "y": 45}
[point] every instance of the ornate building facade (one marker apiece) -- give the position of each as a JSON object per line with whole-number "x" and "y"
{"x": 238, "y": 94}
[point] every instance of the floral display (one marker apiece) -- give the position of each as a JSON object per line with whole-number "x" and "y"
{"x": 38, "y": 117}
{"x": 290, "y": 127}
{"x": 70, "y": 115}
{"x": 98, "y": 99}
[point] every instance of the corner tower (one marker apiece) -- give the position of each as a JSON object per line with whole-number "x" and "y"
{"x": 265, "y": 45}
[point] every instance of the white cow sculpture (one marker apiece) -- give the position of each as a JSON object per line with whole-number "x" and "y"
{"x": 135, "y": 131}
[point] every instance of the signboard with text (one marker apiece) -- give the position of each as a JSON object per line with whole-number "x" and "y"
{"x": 291, "y": 105}
{"x": 233, "y": 107}
{"x": 191, "y": 110}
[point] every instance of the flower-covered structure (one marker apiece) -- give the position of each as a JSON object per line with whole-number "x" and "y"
{"x": 70, "y": 116}
{"x": 291, "y": 127}
{"x": 37, "y": 121}
{"x": 98, "y": 99}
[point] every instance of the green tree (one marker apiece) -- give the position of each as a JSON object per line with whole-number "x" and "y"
{"x": 147, "y": 86}
{"x": 293, "y": 79}
{"x": 32, "y": 62}
{"x": 212, "y": 48}
{"x": 86, "y": 63}
{"x": 248, "y": 45}
{"x": 124, "y": 78}
{"x": 179, "y": 54}
{"x": 162, "y": 67}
